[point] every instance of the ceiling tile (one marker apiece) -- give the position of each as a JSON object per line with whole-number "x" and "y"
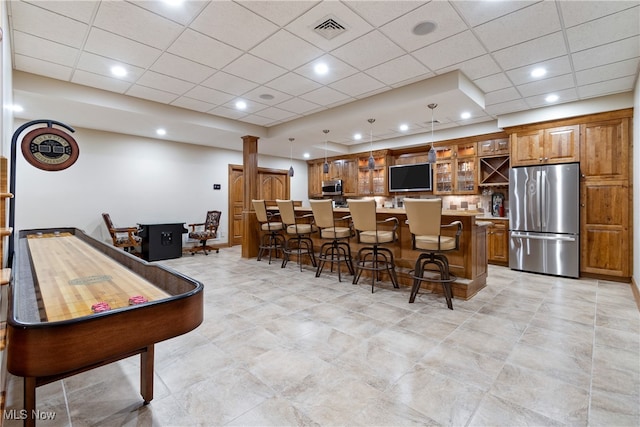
{"x": 257, "y": 120}
{"x": 254, "y": 69}
{"x": 297, "y": 105}
{"x": 252, "y": 106}
{"x": 101, "y": 82}
{"x": 399, "y": 70}
{"x": 378, "y": 13}
{"x": 233, "y": 24}
{"x": 100, "y": 65}
{"x": 286, "y": 50}
{"x": 113, "y": 46}
{"x": 531, "y": 52}
{"x": 538, "y": 101}
{"x": 555, "y": 67}
{"x": 181, "y": 68}
{"x": 545, "y": 86}
{"x": 500, "y": 96}
{"x": 478, "y": 12}
{"x": 203, "y": 49}
{"x": 612, "y": 52}
{"x": 492, "y": 83}
{"x": 605, "y": 30}
{"x": 368, "y": 51}
{"x": 279, "y": 12}
{"x": 230, "y": 113}
{"x": 230, "y": 83}
{"x": 440, "y": 12}
{"x": 293, "y": 84}
{"x": 274, "y": 113}
{"x": 210, "y": 96}
{"x": 44, "y": 68}
{"x": 151, "y": 94}
{"x": 34, "y": 20}
{"x": 358, "y": 85}
{"x": 165, "y": 83}
{"x": 515, "y": 27}
{"x": 507, "y": 107}
{"x": 325, "y": 96}
{"x": 623, "y": 84}
{"x": 124, "y": 19}
{"x": 81, "y": 11}
{"x": 452, "y": 50}
{"x": 609, "y": 71}
{"x": 45, "y": 50}
{"x": 255, "y": 95}
{"x": 474, "y": 68}
{"x": 183, "y": 14}
{"x": 192, "y": 104}
{"x": 338, "y": 70}
{"x": 579, "y": 12}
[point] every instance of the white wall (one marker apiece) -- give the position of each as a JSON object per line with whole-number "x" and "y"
{"x": 136, "y": 180}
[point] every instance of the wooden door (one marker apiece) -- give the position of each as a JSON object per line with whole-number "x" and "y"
{"x": 604, "y": 151}
{"x": 527, "y": 148}
{"x": 498, "y": 243}
{"x": 273, "y": 184}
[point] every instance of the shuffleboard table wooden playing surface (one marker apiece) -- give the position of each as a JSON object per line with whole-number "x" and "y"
{"x": 77, "y": 303}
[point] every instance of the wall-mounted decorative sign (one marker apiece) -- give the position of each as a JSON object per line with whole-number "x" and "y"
{"x": 50, "y": 149}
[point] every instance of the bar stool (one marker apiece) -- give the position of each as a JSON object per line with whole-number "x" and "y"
{"x": 271, "y": 239}
{"x": 337, "y": 250}
{"x": 374, "y": 258}
{"x": 298, "y": 241}
{"x": 424, "y": 216}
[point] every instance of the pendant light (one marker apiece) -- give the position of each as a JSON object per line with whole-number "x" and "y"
{"x": 431, "y": 155}
{"x": 325, "y": 167}
{"x": 291, "y": 147}
{"x": 372, "y": 161}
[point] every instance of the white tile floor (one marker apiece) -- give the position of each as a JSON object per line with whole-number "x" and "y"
{"x": 280, "y": 347}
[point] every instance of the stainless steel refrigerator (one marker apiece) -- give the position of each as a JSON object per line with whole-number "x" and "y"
{"x": 544, "y": 220}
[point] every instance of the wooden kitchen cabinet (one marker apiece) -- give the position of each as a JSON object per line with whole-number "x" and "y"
{"x": 493, "y": 147}
{"x": 455, "y": 169}
{"x": 314, "y": 178}
{"x": 498, "y": 242}
{"x": 373, "y": 182}
{"x": 605, "y": 211}
{"x": 545, "y": 146}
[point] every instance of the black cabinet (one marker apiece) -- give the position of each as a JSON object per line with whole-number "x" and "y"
{"x": 161, "y": 241}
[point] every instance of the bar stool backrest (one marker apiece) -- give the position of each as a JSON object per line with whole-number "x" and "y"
{"x": 261, "y": 210}
{"x": 424, "y": 216}
{"x": 287, "y": 212}
{"x": 363, "y": 214}
{"x": 322, "y": 212}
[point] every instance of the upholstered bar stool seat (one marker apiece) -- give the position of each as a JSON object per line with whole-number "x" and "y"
{"x": 374, "y": 258}
{"x": 337, "y": 249}
{"x": 424, "y": 217}
{"x": 271, "y": 240}
{"x": 298, "y": 241}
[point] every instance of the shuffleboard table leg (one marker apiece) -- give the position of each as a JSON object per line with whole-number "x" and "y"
{"x": 29, "y": 401}
{"x": 146, "y": 374}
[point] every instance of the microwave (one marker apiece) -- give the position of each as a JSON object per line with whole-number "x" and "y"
{"x": 332, "y": 187}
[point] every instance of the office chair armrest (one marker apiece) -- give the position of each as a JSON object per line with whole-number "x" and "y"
{"x": 125, "y": 230}
{"x": 193, "y": 226}
{"x": 309, "y": 215}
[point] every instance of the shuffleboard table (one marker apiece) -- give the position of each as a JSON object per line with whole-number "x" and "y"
{"x": 77, "y": 303}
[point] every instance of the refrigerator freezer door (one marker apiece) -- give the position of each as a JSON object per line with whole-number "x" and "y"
{"x": 560, "y": 198}
{"x": 524, "y": 199}
{"x": 548, "y": 253}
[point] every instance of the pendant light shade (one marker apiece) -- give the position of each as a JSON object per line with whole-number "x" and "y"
{"x": 431, "y": 155}
{"x": 325, "y": 167}
{"x": 372, "y": 161}
{"x": 291, "y": 156}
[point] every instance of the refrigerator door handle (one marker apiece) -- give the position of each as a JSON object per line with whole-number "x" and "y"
{"x": 540, "y": 237}
{"x": 542, "y": 201}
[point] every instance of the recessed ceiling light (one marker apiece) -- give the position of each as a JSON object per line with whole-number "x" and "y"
{"x": 465, "y": 115}
{"x": 118, "y": 71}
{"x": 241, "y": 105}
{"x": 267, "y": 96}
{"x": 538, "y": 72}
{"x": 321, "y": 68}
{"x": 424, "y": 28}
{"x": 306, "y": 155}
{"x": 357, "y": 136}
{"x": 552, "y": 98}
{"x": 174, "y": 2}
{"x": 161, "y": 132}
{"x": 404, "y": 127}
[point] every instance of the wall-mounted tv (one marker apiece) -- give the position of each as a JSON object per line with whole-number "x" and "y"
{"x": 414, "y": 177}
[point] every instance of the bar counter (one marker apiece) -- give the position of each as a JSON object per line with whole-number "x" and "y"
{"x": 468, "y": 263}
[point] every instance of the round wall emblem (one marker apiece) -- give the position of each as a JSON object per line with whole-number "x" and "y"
{"x": 50, "y": 149}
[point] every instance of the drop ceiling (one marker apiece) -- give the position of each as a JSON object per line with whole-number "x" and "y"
{"x": 189, "y": 64}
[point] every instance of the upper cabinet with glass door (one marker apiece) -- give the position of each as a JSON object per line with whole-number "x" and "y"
{"x": 455, "y": 169}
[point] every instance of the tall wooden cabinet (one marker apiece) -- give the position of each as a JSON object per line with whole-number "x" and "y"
{"x": 605, "y": 193}
{"x": 455, "y": 169}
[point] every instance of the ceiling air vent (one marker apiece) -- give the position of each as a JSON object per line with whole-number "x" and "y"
{"x": 329, "y": 28}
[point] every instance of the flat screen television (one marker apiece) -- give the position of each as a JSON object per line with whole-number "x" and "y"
{"x": 414, "y": 177}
